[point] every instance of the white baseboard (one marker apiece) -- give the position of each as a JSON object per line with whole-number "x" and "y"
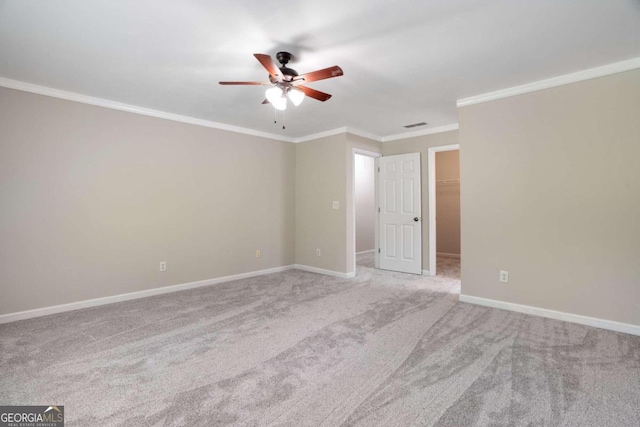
{"x": 325, "y": 272}
{"x": 557, "y": 315}
{"x": 365, "y": 252}
{"x": 446, "y": 255}
{"x": 426, "y": 273}
{"x": 45, "y": 311}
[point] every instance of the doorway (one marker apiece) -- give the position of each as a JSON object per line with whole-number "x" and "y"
{"x": 444, "y": 210}
{"x": 365, "y": 212}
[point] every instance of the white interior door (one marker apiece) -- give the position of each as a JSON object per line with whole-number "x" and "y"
{"x": 400, "y": 216}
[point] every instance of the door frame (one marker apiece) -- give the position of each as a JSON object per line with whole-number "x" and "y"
{"x": 432, "y": 201}
{"x": 375, "y": 156}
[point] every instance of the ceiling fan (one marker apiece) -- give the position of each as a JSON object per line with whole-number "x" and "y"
{"x": 287, "y": 83}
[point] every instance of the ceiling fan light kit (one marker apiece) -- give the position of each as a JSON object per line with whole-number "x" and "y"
{"x": 276, "y": 96}
{"x": 286, "y": 83}
{"x": 296, "y": 96}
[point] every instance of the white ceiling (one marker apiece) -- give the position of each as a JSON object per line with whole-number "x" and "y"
{"x": 403, "y": 61}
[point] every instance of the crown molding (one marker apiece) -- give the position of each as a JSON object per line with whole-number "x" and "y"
{"x": 592, "y": 73}
{"x": 114, "y": 105}
{"x": 337, "y": 131}
{"x": 364, "y": 134}
{"x": 130, "y": 108}
{"x": 319, "y": 135}
{"x": 439, "y": 129}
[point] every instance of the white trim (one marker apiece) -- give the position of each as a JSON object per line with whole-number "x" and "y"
{"x": 363, "y": 134}
{"x": 114, "y": 105}
{"x": 319, "y": 135}
{"x": 446, "y": 255}
{"x": 358, "y": 132}
{"x": 591, "y": 73}
{"x": 130, "y": 108}
{"x": 338, "y": 131}
{"x": 426, "y": 273}
{"x": 45, "y": 311}
{"x": 627, "y": 328}
{"x": 366, "y": 153}
{"x": 365, "y": 252}
{"x": 432, "y": 201}
{"x": 439, "y": 129}
{"x": 376, "y": 207}
{"x": 325, "y": 272}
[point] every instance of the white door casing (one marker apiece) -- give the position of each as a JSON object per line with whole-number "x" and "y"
{"x": 400, "y": 216}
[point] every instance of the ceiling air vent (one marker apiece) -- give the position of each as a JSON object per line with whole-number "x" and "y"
{"x": 415, "y": 125}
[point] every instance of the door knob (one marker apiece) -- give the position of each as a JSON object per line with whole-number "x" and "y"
{"x": 416, "y": 219}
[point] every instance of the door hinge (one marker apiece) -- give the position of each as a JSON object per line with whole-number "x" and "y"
{"x": 378, "y": 169}
{"x": 378, "y": 250}
{"x": 378, "y": 210}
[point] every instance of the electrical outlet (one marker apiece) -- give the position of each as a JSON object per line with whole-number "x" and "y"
{"x": 258, "y": 254}
{"x": 163, "y": 266}
{"x": 504, "y": 276}
{"x": 318, "y": 252}
{"x": 336, "y": 205}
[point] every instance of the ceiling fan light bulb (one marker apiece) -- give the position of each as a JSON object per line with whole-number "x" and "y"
{"x": 280, "y": 103}
{"x": 273, "y": 94}
{"x": 296, "y": 96}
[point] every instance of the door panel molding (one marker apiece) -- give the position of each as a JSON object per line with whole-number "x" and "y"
{"x": 400, "y": 235}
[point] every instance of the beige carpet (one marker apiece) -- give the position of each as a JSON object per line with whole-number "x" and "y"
{"x": 448, "y": 267}
{"x": 301, "y": 349}
{"x": 445, "y": 266}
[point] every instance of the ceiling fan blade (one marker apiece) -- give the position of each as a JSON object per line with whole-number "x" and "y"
{"x": 325, "y": 73}
{"x": 243, "y": 83}
{"x": 269, "y": 65}
{"x": 266, "y": 101}
{"x": 315, "y": 94}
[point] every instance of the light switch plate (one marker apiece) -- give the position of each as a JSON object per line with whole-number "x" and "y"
{"x": 336, "y": 204}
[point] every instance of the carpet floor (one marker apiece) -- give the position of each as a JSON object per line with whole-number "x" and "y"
{"x": 302, "y": 349}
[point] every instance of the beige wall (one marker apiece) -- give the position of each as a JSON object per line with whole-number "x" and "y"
{"x": 92, "y": 199}
{"x": 421, "y": 144}
{"x": 324, "y": 173}
{"x": 320, "y": 180}
{"x": 365, "y": 207}
{"x": 448, "y": 202}
{"x": 551, "y": 193}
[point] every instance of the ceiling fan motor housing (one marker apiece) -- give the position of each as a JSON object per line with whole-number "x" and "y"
{"x": 289, "y": 71}
{"x": 284, "y": 58}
